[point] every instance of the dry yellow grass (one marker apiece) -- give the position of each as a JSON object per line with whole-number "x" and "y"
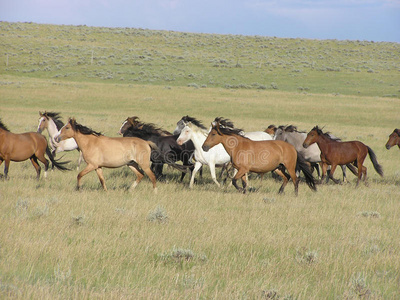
{"x": 56, "y": 243}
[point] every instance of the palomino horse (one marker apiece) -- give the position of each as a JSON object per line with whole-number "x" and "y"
{"x": 101, "y": 151}
{"x": 23, "y": 146}
{"x": 258, "y": 156}
{"x": 394, "y": 139}
{"x": 341, "y": 153}
{"x": 52, "y": 122}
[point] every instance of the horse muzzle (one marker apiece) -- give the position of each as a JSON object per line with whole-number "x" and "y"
{"x": 57, "y": 138}
{"x": 305, "y": 145}
{"x": 179, "y": 142}
{"x": 388, "y": 146}
{"x": 205, "y": 148}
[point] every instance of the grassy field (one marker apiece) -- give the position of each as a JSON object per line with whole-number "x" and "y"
{"x": 207, "y": 243}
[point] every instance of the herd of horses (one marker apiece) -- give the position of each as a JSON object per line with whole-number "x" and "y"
{"x": 145, "y": 148}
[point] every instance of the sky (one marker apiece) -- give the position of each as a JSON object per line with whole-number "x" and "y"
{"x": 370, "y": 20}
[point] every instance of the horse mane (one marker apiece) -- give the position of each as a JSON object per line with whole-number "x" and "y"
{"x": 397, "y": 131}
{"x": 83, "y": 129}
{"x": 55, "y": 117}
{"x": 4, "y": 127}
{"x": 194, "y": 121}
{"x": 226, "y": 127}
{"x": 326, "y": 134}
{"x": 224, "y": 122}
{"x": 148, "y": 128}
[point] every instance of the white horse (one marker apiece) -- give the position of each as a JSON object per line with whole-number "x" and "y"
{"x": 216, "y": 156}
{"x": 52, "y": 122}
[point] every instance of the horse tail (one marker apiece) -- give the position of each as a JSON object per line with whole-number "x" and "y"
{"x": 152, "y": 145}
{"x": 302, "y": 165}
{"x": 56, "y": 163}
{"x": 372, "y": 156}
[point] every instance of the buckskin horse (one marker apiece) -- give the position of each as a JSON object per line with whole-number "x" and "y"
{"x": 101, "y": 151}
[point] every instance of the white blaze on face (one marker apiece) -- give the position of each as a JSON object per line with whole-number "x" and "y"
{"x": 119, "y": 131}
{"x": 40, "y": 123}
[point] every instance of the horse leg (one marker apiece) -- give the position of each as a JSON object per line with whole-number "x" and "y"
{"x": 239, "y": 174}
{"x": 344, "y": 173}
{"x": 139, "y": 176}
{"x": 6, "y": 167}
{"x": 244, "y": 181}
{"x": 333, "y": 168}
{"x": 213, "y": 176}
{"x": 99, "y": 172}
{"x": 46, "y": 163}
{"x": 36, "y": 166}
{"x": 293, "y": 176}
{"x": 79, "y": 160}
{"x": 324, "y": 168}
{"x": 197, "y": 167}
{"x": 89, "y": 168}
{"x": 152, "y": 177}
{"x": 284, "y": 178}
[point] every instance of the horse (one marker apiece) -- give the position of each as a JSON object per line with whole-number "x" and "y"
{"x": 335, "y": 153}
{"x": 52, "y": 122}
{"x": 253, "y": 135}
{"x": 394, "y": 139}
{"x": 167, "y": 152}
{"x": 22, "y": 146}
{"x": 134, "y": 122}
{"x": 195, "y": 131}
{"x": 258, "y": 156}
{"x": 110, "y": 152}
{"x": 312, "y": 154}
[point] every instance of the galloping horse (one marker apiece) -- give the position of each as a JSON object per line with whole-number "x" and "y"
{"x": 52, "y": 122}
{"x": 258, "y": 156}
{"x": 101, "y": 151}
{"x": 217, "y": 156}
{"x": 341, "y": 153}
{"x": 23, "y": 146}
{"x": 312, "y": 154}
{"x": 167, "y": 152}
{"x": 394, "y": 139}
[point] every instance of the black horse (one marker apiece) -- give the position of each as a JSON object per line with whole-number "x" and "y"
{"x": 168, "y": 152}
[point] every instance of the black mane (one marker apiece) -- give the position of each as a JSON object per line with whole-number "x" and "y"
{"x": 56, "y": 118}
{"x": 397, "y": 131}
{"x": 326, "y": 134}
{"x": 4, "y": 127}
{"x": 226, "y": 127}
{"x": 224, "y": 122}
{"x": 83, "y": 129}
{"x": 194, "y": 121}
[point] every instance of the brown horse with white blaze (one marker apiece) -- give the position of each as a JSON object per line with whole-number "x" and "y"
{"x": 101, "y": 151}
{"x": 394, "y": 139}
{"x": 341, "y": 153}
{"x": 258, "y": 156}
{"x": 22, "y": 146}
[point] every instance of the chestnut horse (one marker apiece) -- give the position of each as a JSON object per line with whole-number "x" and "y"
{"x": 394, "y": 139}
{"x": 258, "y": 156}
{"x": 101, "y": 151}
{"x": 341, "y": 153}
{"x": 23, "y": 146}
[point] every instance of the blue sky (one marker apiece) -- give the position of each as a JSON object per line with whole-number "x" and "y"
{"x": 372, "y": 20}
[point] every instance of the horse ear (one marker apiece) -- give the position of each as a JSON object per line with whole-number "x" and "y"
{"x": 40, "y": 114}
{"x": 217, "y": 128}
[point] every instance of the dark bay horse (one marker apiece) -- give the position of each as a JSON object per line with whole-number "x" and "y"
{"x": 168, "y": 151}
{"x": 258, "y": 156}
{"x": 394, "y": 139}
{"x": 101, "y": 151}
{"x": 23, "y": 146}
{"x": 341, "y": 153}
